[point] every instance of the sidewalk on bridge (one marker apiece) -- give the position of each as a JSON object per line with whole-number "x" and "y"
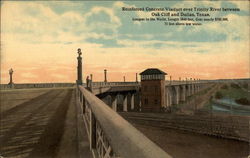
{"x": 74, "y": 142}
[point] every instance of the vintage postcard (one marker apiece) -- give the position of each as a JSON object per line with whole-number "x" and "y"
{"x": 125, "y": 79}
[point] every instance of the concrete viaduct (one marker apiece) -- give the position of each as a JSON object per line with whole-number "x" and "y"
{"x": 125, "y": 96}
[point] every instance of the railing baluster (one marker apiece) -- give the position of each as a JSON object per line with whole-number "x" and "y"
{"x": 83, "y": 105}
{"x": 80, "y": 98}
{"x": 92, "y": 127}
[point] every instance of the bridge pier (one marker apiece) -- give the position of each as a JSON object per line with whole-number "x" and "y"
{"x": 132, "y": 102}
{"x": 137, "y": 101}
{"x": 168, "y": 98}
{"x": 176, "y": 95}
{"x": 125, "y": 102}
{"x": 122, "y": 101}
{"x": 114, "y": 102}
{"x": 192, "y": 89}
{"x": 187, "y": 91}
{"x": 107, "y": 100}
{"x": 197, "y": 87}
{"x": 183, "y": 93}
{"x": 129, "y": 101}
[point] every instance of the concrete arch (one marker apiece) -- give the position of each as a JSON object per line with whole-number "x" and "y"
{"x": 120, "y": 102}
{"x": 107, "y": 100}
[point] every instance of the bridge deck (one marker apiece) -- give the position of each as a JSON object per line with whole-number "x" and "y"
{"x": 38, "y": 123}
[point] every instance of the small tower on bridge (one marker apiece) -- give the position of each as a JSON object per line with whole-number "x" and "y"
{"x": 152, "y": 90}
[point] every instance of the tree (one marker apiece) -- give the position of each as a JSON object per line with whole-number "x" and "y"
{"x": 218, "y": 95}
{"x": 243, "y": 101}
{"x": 224, "y": 86}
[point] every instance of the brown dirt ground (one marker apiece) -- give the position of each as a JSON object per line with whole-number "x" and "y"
{"x": 181, "y": 144}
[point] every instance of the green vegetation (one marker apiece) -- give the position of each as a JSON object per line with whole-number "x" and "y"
{"x": 218, "y": 95}
{"x": 207, "y": 106}
{"x": 245, "y": 85}
{"x": 243, "y": 101}
{"x": 234, "y": 91}
{"x": 224, "y": 86}
{"x": 234, "y": 85}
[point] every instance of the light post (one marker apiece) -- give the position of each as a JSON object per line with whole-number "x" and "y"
{"x": 11, "y": 73}
{"x": 105, "y": 76}
{"x": 79, "y": 67}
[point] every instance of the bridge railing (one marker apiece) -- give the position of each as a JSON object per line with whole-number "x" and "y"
{"x": 177, "y": 82}
{"x": 103, "y": 84}
{"x": 35, "y": 85}
{"x": 111, "y": 136}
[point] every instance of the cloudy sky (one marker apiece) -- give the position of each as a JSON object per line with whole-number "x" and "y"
{"x": 39, "y": 40}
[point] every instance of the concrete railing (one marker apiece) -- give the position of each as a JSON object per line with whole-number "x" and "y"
{"x": 109, "y": 134}
{"x": 178, "y": 82}
{"x": 104, "y": 84}
{"x": 35, "y": 85}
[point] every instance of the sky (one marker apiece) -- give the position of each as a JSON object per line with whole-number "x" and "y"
{"x": 39, "y": 40}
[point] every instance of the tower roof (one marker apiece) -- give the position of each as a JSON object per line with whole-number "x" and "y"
{"x": 152, "y": 71}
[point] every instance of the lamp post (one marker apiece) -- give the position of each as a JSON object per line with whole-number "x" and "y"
{"x": 11, "y": 73}
{"x": 91, "y": 77}
{"x": 105, "y": 76}
{"x": 79, "y": 67}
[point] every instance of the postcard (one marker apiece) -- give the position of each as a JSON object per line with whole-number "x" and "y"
{"x": 141, "y": 79}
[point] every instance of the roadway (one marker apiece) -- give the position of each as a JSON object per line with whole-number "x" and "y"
{"x": 41, "y": 124}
